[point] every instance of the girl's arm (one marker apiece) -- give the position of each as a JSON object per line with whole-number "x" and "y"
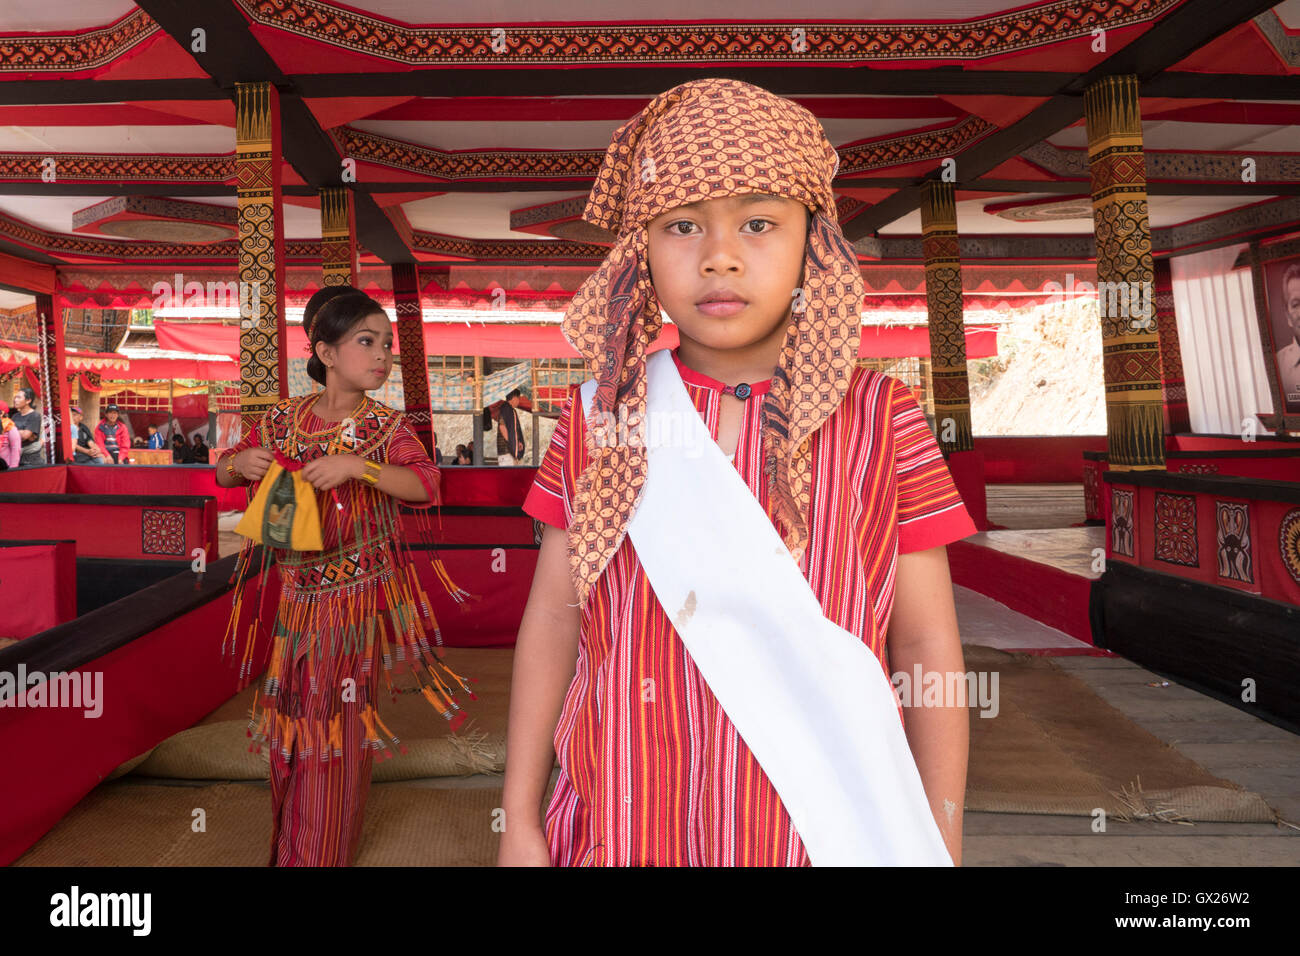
{"x": 546, "y": 654}
{"x": 923, "y": 630}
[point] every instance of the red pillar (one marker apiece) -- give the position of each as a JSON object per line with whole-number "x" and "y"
{"x": 410, "y": 340}
{"x": 54, "y": 394}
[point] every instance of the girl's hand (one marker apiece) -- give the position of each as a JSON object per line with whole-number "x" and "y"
{"x": 253, "y": 463}
{"x": 332, "y": 470}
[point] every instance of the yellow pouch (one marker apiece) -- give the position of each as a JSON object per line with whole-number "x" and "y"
{"x": 283, "y": 513}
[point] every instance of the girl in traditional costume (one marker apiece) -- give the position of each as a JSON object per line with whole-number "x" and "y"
{"x": 328, "y": 471}
{"x": 707, "y": 641}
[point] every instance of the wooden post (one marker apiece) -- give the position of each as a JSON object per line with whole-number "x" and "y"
{"x": 415, "y": 363}
{"x": 338, "y": 233}
{"x": 263, "y": 368}
{"x": 1135, "y": 415}
{"x": 56, "y": 440}
{"x": 947, "y": 326}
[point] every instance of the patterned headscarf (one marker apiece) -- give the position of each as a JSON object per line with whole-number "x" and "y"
{"x": 707, "y": 139}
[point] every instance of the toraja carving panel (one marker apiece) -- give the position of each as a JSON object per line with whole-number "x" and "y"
{"x": 1175, "y": 541}
{"x": 624, "y": 43}
{"x": 1232, "y": 541}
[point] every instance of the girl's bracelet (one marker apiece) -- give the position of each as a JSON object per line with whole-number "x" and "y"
{"x": 371, "y": 474}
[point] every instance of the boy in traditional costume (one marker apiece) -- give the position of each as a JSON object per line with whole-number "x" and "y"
{"x": 707, "y": 642}
{"x": 329, "y": 469}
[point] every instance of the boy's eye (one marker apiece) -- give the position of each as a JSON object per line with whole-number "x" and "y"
{"x": 767, "y": 222}
{"x": 672, "y": 227}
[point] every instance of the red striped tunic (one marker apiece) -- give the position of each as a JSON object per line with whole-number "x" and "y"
{"x": 652, "y": 770}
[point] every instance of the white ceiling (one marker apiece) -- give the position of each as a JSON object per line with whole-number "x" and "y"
{"x": 476, "y": 215}
{"x": 1163, "y": 211}
{"x": 54, "y": 213}
{"x": 196, "y": 139}
{"x": 62, "y": 16}
{"x": 1173, "y": 135}
{"x": 1289, "y": 13}
{"x": 13, "y": 300}
{"x": 421, "y": 12}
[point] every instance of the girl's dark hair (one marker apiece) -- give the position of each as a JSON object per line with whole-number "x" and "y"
{"x": 487, "y": 418}
{"x": 332, "y": 322}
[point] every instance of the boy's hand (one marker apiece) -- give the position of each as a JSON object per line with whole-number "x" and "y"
{"x": 332, "y": 470}
{"x": 526, "y": 847}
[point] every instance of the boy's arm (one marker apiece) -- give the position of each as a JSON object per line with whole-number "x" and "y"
{"x": 923, "y": 630}
{"x": 546, "y": 654}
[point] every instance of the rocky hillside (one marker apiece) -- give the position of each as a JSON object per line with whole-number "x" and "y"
{"x": 1047, "y": 376}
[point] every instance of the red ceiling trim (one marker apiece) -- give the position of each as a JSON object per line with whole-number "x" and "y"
{"x": 89, "y": 167}
{"x": 913, "y": 147}
{"x": 447, "y": 165}
{"x": 610, "y": 43}
{"x": 88, "y": 247}
{"x": 524, "y": 109}
{"x": 68, "y": 53}
{"x": 469, "y": 164}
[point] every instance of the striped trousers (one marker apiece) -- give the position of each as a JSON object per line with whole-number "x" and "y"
{"x": 318, "y": 806}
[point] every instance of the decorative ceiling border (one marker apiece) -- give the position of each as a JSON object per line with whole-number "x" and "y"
{"x": 1233, "y": 223}
{"x": 543, "y": 249}
{"x": 449, "y": 166}
{"x": 1173, "y": 165}
{"x": 123, "y": 167}
{"x": 1240, "y": 221}
{"x": 476, "y": 164}
{"x": 767, "y": 42}
{"x": 68, "y": 53}
{"x": 1285, "y": 45}
{"x": 913, "y": 147}
{"x": 33, "y": 237}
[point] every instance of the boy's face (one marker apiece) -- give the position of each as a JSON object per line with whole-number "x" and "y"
{"x": 725, "y": 270}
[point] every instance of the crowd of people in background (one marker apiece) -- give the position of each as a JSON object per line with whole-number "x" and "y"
{"x": 110, "y": 443}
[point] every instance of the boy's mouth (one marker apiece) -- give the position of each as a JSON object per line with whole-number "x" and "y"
{"x": 720, "y": 303}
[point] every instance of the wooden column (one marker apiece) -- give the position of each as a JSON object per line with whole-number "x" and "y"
{"x": 1173, "y": 387}
{"x": 1125, "y": 275}
{"x": 263, "y": 371}
{"x": 410, "y": 341}
{"x": 56, "y": 439}
{"x": 338, "y": 231}
{"x": 947, "y": 328}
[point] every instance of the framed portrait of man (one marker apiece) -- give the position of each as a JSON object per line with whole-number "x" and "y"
{"x": 1275, "y": 269}
{"x": 1282, "y": 280}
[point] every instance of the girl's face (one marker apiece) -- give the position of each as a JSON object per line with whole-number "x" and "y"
{"x": 726, "y": 270}
{"x": 363, "y": 359}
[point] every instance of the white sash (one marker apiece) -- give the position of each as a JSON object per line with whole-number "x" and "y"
{"x": 809, "y": 699}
